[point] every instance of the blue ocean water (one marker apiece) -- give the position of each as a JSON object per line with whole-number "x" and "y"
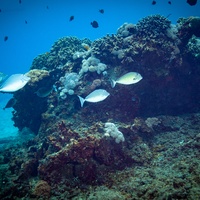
{"x": 32, "y": 26}
{"x": 6, "y": 124}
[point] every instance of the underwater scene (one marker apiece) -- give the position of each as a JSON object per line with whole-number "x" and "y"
{"x": 112, "y": 116}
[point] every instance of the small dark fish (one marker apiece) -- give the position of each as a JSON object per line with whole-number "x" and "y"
{"x": 192, "y": 2}
{"x": 168, "y": 15}
{"x": 47, "y": 7}
{"x": 133, "y": 99}
{"x": 10, "y": 103}
{"x": 0, "y": 10}
{"x": 26, "y": 22}
{"x": 20, "y": 1}
{"x": 5, "y": 38}
{"x": 95, "y": 24}
{"x": 169, "y": 2}
{"x": 44, "y": 91}
{"x": 71, "y": 18}
{"x": 153, "y": 2}
{"x": 101, "y": 11}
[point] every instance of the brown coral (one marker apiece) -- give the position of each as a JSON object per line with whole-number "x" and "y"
{"x": 36, "y": 75}
{"x": 42, "y": 190}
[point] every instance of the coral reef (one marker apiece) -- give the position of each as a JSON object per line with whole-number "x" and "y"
{"x": 154, "y": 44}
{"x": 188, "y": 27}
{"x": 193, "y": 46}
{"x": 62, "y": 51}
{"x": 153, "y": 26}
{"x": 126, "y": 29}
{"x": 153, "y": 148}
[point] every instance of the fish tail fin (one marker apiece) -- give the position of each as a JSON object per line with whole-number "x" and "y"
{"x": 82, "y": 100}
{"x": 113, "y": 83}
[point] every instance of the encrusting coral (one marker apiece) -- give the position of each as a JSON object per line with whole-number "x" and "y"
{"x": 42, "y": 190}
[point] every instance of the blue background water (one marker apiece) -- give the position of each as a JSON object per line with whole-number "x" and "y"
{"x": 48, "y": 20}
{"x": 6, "y": 124}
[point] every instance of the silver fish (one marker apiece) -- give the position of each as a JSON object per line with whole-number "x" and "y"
{"x": 14, "y": 82}
{"x": 127, "y": 79}
{"x": 95, "y": 96}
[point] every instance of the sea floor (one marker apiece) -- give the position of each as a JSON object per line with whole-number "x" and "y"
{"x": 167, "y": 166}
{"x": 172, "y": 172}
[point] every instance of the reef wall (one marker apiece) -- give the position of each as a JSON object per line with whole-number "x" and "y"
{"x": 166, "y": 55}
